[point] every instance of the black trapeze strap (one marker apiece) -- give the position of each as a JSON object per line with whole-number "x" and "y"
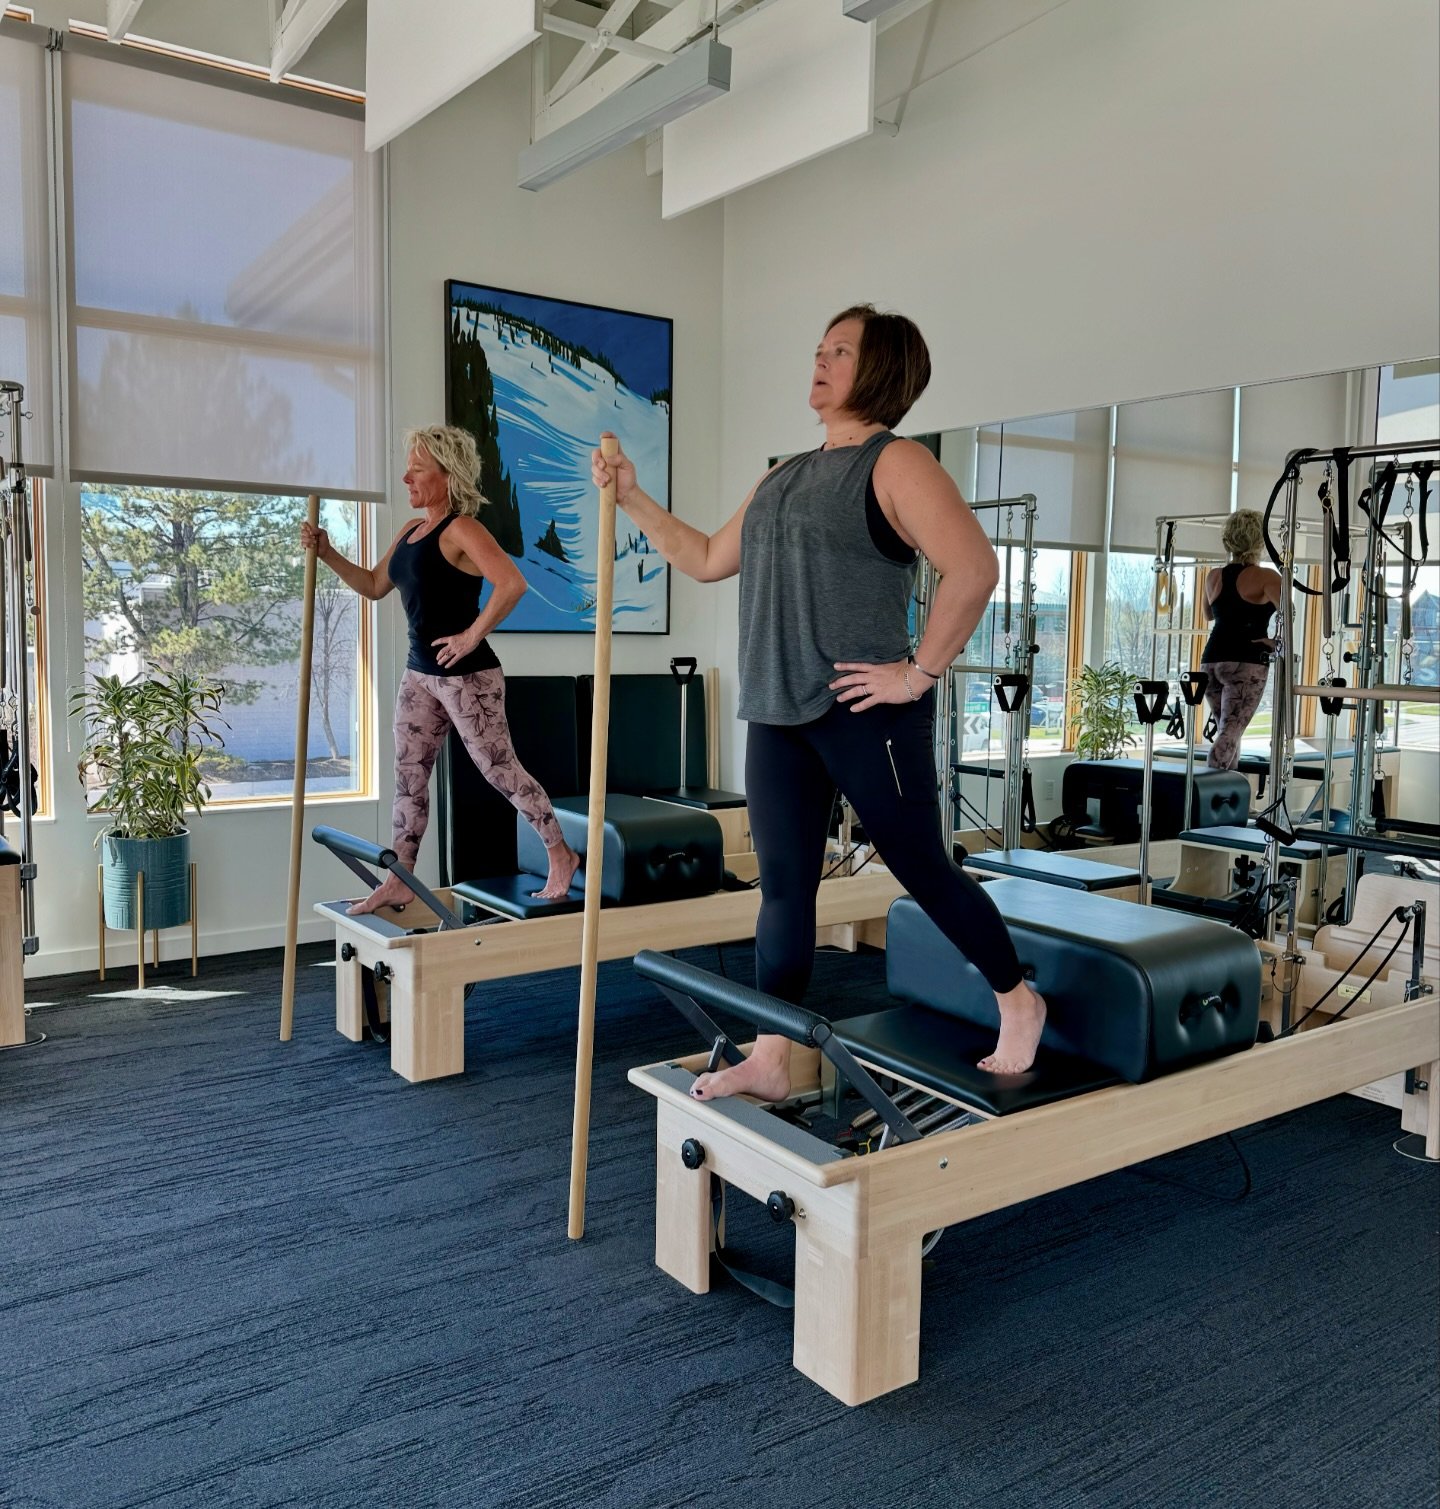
{"x": 1027, "y": 802}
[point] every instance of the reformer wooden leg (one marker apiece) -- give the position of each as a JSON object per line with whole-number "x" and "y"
{"x": 100, "y": 914}
{"x": 349, "y": 1000}
{"x": 427, "y": 1024}
{"x": 857, "y": 1306}
{"x": 12, "y": 961}
{"x": 683, "y": 1230}
{"x": 1432, "y": 1112}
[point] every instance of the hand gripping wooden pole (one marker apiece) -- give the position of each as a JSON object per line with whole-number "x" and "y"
{"x": 594, "y": 846}
{"x": 297, "y": 802}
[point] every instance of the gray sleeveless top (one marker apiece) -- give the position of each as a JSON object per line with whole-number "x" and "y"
{"x": 814, "y": 587}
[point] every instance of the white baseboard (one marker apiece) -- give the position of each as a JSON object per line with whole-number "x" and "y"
{"x": 174, "y": 944}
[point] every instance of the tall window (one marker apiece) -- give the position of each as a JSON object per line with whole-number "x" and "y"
{"x": 982, "y": 722}
{"x": 210, "y": 583}
{"x": 225, "y": 360}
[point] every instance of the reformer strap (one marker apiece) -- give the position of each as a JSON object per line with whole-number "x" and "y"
{"x": 1422, "y": 471}
{"x": 782, "y": 1296}
{"x": 1331, "y": 706}
{"x": 1027, "y": 802}
{"x": 1150, "y": 699}
{"x": 379, "y": 1030}
{"x": 1175, "y": 720}
{"x": 1010, "y": 690}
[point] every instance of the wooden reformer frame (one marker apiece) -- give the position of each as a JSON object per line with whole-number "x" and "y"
{"x": 429, "y": 970}
{"x": 860, "y": 1221}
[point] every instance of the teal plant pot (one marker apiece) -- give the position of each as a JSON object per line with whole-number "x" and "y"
{"x": 165, "y": 863}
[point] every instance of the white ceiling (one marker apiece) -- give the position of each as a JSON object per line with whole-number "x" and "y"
{"x": 918, "y": 40}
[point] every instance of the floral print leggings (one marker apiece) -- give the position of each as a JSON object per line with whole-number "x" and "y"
{"x": 426, "y": 708}
{"x": 1233, "y": 692}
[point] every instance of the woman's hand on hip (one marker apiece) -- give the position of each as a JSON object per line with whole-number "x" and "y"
{"x": 450, "y": 649}
{"x": 619, "y": 468}
{"x": 864, "y": 686}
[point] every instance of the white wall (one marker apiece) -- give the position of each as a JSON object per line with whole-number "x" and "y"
{"x": 454, "y": 213}
{"x": 1123, "y": 199}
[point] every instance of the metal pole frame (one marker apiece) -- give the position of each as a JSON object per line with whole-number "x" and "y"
{"x": 15, "y": 549}
{"x": 949, "y": 734}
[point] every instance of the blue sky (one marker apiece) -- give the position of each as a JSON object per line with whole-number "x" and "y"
{"x": 637, "y": 345}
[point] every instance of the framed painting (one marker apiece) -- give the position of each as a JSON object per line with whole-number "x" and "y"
{"x": 535, "y": 380}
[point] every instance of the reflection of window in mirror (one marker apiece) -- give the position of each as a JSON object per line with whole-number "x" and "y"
{"x": 1408, "y": 409}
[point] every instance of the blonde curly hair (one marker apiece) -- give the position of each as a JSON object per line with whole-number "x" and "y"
{"x": 453, "y": 451}
{"x": 1244, "y": 535}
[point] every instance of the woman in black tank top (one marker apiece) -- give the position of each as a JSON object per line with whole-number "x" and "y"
{"x": 1240, "y": 599}
{"x": 452, "y": 677}
{"x": 825, "y": 547}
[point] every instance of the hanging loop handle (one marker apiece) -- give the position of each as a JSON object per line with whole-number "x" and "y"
{"x": 1011, "y": 691}
{"x": 1150, "y": 699}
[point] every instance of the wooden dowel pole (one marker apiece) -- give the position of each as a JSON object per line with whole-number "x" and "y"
{"x": 594, "y": 847}
{"x": 297, "y": 801}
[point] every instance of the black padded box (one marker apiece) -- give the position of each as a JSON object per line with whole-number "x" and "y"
{"x": 654, "y": 851}
{"x": 1137, "y": 990}
{"x": 1218, "y": 796}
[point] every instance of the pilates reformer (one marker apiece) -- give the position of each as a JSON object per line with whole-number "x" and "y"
{"x": 452, "y": 937}
{"x": 1150, "y": 1046}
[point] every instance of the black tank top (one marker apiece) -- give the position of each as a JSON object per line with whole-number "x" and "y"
{"x": 440, "y": 599}
{"x": 1238, "y": 623}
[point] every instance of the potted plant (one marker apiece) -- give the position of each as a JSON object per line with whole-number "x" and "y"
{"x": 141, "y": 761}
{"x": 1100, "y": 711}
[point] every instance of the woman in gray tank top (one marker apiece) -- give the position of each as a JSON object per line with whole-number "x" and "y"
{"x": 825, "y": 547}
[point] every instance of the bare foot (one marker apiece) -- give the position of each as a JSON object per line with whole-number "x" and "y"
{"x": 1022, "y": 1020}
{"x": 390, "y": 892}
{"x": 765, "y": 1075}
{"x": 564, "y": 862}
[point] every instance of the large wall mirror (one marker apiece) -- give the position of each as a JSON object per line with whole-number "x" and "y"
{"x": 1102, "y": 478}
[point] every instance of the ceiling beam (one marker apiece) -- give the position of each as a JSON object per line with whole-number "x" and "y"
{"x": 120, "y": 17}
{"x": 584, "y": 60}
{"x": 300, "y": 23}
{"x": 672, "y": 31}
{"x": 598, "y": 40}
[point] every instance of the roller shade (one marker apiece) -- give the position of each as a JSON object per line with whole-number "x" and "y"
{"x": 26, "y": 299}
{"x": 1173, "y": 457}
{"x": 226, "y": 287}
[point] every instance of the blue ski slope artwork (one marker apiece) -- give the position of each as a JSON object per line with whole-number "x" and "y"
{"x": 536, "y": 380}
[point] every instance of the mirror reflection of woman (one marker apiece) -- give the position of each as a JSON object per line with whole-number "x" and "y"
{"x": 452, "y": 677}
{"x": 1240, "y": 599}
{"x": 826, "y": 546}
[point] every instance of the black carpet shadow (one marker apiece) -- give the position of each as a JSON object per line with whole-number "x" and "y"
{"x": 235, "y": 1271}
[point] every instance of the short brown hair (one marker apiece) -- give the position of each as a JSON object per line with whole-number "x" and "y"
{"x": 892, "y": 366}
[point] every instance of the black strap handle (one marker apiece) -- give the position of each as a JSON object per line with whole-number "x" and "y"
{"x": 1193, "y": 685}
{"x": 682, "y": 668}
{"x": 1011, "y": 690}
{"x": 1150, "y": 699}
{"x": 1330, "y": 706}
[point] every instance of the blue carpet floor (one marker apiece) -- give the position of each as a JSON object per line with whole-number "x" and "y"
{"x": 240, "y": 1272}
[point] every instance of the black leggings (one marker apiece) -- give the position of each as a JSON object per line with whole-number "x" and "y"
{"x": 883, "y": 760}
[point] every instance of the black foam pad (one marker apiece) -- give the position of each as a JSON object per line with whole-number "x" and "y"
{"x": 941, "y": 1053}
{"x": 8, "y": 856}
{"x": 1249, "y": 841}
{"x": 1054, "y": 869}
{"x": 511, "y": 896}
